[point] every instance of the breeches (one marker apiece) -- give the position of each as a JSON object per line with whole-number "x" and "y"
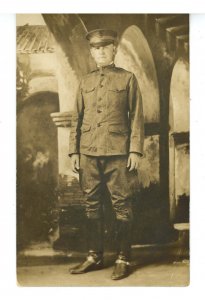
{"x": 98, "y": 173}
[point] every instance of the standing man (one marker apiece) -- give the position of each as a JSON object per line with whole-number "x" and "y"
{"x": 106, "y": 143}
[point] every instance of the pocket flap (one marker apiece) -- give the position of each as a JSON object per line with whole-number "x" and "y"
{"x": 89, "y": 89}
{"x": 117, "y": 87}
{"x": 118, "y": 129}
{"x": 85, "y": 128}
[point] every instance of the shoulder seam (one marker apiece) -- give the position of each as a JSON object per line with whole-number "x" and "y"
{"x": 126, "y": 71}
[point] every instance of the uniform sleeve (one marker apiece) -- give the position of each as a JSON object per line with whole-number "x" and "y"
{"x": 76, "y": 122}
{"x": 136, "y": 117}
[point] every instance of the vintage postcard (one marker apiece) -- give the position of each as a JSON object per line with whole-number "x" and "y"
{"x": 102, "y": 149}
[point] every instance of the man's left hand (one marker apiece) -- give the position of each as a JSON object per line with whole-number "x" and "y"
{"x": 133, "y": 161}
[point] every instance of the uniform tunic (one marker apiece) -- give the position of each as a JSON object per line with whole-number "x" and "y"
{"x": 108, "y": 114}
{"x": 107, "y": 124}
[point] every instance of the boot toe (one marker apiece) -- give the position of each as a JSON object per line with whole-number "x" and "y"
{"x": 121, "y": 270}
{"x": 86, "y": 266}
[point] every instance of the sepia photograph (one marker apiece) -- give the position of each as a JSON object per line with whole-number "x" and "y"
{"x": 102, "y": 151}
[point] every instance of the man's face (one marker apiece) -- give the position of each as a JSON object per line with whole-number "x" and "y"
{"x": 103, "y": 55}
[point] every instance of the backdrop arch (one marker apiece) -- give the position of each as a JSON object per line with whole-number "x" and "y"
{"x": 134, "y": 54}
{"x": 179, "y": 142}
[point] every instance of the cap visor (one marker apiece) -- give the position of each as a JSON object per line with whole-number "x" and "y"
{"x": 102, "y": 43}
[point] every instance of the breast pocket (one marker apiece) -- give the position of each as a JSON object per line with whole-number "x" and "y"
{"x": 117, "y": 88}
{"x": 89, "y": 96}
{"x": 117, "y": 94}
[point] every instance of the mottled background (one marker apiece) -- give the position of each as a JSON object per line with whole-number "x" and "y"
{"x": 52, "y": 55}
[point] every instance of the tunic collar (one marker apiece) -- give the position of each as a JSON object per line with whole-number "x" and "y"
{"x": 101, "y": 70}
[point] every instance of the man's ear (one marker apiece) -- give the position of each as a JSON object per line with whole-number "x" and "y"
{"x": 114, "y": 49}
{"x": 91, "y": 52}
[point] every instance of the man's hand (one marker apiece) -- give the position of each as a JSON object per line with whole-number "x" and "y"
{"x": 133, "y": 161}
{"x": 75, "y": 163}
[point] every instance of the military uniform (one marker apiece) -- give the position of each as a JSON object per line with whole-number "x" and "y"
{"x": 107, "y": 125}
{"x": 108, "y": 115}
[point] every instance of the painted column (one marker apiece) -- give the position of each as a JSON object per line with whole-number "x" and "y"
{"x": 73, "y": 61}
{"x": 67, "y": 87}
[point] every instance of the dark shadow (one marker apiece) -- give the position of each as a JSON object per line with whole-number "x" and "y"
{"x": 37, "y": 168}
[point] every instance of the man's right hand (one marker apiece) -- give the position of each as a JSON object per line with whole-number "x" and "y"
{"x": 75, "y": 163}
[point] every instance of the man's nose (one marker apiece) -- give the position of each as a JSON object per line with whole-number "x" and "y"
{"x": 102, "y": 50}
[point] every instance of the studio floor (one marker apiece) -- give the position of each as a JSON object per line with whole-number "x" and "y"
{"x": 150, "y": 266}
